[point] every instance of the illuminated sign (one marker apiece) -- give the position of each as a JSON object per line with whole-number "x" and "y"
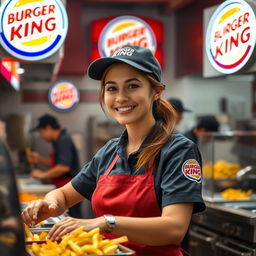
{"x": 32, "y": 30}
{"x": 230, "y": 36}
{"x": 126, "y": 30}
{"x": 9, "y": 71}
{"x": 63, "y": 96}
{"x": 110, "y": 34}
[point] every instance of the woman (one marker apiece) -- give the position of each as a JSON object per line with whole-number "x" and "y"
{"x": 145, "y": 184}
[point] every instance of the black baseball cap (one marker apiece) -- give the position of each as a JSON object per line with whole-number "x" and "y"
{"x": 178, "y": 105}
{"x": 135, "y": 56}
{"x": 45, "y": 120}
{"x": 209, "y": 122}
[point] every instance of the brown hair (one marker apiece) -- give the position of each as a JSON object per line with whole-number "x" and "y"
{"x": 162, "y": 111}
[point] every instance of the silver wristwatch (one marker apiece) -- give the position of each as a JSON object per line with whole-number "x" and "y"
{"x": 111, "y": 222}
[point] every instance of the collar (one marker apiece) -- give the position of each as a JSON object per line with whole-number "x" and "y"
{"x": 124, "y": 137}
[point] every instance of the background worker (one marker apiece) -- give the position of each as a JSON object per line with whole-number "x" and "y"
{"x": 179, "y": 108}
{"x": 207, "y": 123}
{"x": 63, "y": 161}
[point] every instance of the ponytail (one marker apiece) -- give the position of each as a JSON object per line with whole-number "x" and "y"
{"x": 165, "y": 113}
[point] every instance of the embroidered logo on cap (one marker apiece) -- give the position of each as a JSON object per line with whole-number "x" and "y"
{"x": 192, "y": 170}
{"x": 127, "y": 51}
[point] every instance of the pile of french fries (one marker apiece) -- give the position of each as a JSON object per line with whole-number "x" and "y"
{"x": 78, "y": 243}
{"x": 236, "y": 194}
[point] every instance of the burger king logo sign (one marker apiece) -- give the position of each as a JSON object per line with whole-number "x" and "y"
{"x": 32, "y": 30}
{"x": 230, "y": 36}
{"x": 125, "y": 30}
{"x": 63, "y": 96}
{"x": 192, "y": 170}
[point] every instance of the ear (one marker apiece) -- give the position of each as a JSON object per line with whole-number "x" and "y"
{"x": 158, "y": 92}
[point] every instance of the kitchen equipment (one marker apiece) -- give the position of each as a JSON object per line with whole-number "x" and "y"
{"x": 11, "y": 227}
{"x": 227, "y": 229}
{"x": 224, "y": 165}
{"x": 121, "y": 250}
{"x": 246, "y": 171}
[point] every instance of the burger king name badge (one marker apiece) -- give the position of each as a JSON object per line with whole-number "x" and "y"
{"x": 192, "y": 170}
{"x": 32, "y": 30}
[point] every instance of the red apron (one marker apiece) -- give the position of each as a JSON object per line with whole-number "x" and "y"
{"x": 58, "y": 181}
{"x": 131, "y": 196}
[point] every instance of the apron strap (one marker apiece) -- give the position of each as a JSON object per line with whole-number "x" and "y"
{"x": 112, "y": 165}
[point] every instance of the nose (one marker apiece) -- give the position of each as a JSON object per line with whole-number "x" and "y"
{"x": 122, "y": 96}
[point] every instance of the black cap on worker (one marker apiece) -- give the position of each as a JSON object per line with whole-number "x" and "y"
{"x": 45, "y": 120}
{"x": 209, "y": 122}
{"x": 178, "y": 105}
{"x": 135, "y": 56}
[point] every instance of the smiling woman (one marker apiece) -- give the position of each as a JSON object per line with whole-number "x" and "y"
{"x": 137, "y": 183}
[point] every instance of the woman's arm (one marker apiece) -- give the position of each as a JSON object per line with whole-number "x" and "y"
{"x": 170, "y": 228}
{"x": 64, "y": 198}
{"x": 53, "y": 204}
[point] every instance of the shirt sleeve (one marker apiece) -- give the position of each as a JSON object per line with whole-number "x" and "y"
{"x": 182, "y": 176}
{"x": 85, "y": 181}
{"x": 64, "y": 152}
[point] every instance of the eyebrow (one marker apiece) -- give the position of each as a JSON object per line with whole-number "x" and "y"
{"x": 126, "y": 81}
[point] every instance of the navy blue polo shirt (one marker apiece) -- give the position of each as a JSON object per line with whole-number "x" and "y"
{"x": 65, "y": 153}
{"x": 177, "y": 172}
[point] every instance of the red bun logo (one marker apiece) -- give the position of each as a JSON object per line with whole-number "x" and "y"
{"x": 231, "y": 36}
{"x": 192, "y": 170}
{"x": 125, "y": 30}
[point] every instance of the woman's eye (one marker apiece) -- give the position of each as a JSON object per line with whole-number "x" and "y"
{"x": 110, "y": 88}
{"x": 133, "y": 86}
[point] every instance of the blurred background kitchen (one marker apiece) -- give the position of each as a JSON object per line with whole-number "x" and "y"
{"x": 180, "y": 27}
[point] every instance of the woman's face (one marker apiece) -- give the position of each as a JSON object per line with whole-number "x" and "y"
{"x": 128, "y": 95}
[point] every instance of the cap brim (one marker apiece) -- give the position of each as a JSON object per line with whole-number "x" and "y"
{"x": 97, "y": 68}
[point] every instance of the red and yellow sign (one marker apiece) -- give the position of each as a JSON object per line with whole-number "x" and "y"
{"x": 32, "y": 30}
{"x": 110, "y": 34}
{"x": 63, "y": 96}
{"x": 231, "y": 36}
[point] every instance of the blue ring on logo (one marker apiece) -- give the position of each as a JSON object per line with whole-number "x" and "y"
{"x": 31, "y": 54}
{"x": 103, "y": 33}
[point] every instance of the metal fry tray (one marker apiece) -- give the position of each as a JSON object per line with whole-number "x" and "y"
{"x": 121, "y": 250}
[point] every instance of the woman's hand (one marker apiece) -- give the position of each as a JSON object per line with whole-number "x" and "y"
{"x": 38, "y": 210}
{"x": 69, "y": 224}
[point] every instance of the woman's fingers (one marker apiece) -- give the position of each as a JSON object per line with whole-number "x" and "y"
{"x": 63, "y": 227}
{"x": 35, "y": 212}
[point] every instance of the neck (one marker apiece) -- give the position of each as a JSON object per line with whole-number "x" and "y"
{"x": 137, "y": 134}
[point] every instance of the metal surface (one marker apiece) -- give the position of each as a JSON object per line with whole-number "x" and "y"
{"x": 233, "y": 219}
{"x": 121, "y": 250}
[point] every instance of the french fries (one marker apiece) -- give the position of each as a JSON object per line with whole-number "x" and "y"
{"x": 79, "y": 243}
{"x": 34, "y": 237}
{"x": 236, "y": 194}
